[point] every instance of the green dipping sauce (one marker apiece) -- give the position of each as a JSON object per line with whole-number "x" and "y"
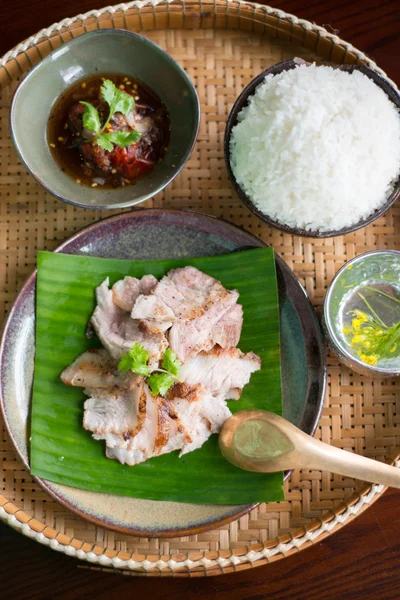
{"x": 258, "y": 439}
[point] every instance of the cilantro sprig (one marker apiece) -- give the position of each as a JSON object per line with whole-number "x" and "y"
{"x": 135, "y": 361}
{"x": 118, "y": 101}
{"x": 159, "y": 379}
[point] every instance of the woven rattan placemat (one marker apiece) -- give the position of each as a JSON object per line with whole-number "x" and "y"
{"x": 222, "y": 46}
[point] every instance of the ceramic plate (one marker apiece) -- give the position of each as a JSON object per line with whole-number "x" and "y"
{"x": 157, "y": 234}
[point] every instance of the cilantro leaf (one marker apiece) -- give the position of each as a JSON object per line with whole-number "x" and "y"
{"x": 125, "y": 364}
{"x": 118, "y": 100}
{"x": 120, "y": 138}
{"x": 170, "y": 363}
{"x": 90, "y": 117}
{"x": 135, "y": 361}
{"x": 124, "y": 138}
{"x": 104, "y": 142}
{"x": 107, "y": 91}
{"x": 139, "y": 356}
{"x": 123, "y": 102}
{"x": 160, "y": 383}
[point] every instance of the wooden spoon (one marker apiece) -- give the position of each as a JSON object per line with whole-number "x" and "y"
{"x": 257, "y": 440}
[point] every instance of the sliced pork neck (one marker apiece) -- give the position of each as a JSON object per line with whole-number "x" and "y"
{"x": 188, "y": 338}
{"x": 222, "y": 372}
{"x": 174, "y": 423}
{"x": 96, "y": 368}
{"x": 117, "y": 331}
{"x": 126, "y": 291}
{"x": 197, "y": 307}
{"x": 137, "y": 426}
{"x": 115, "y": 415}
{"x": 226, "y": 332}
{"x": 201, "y": 322}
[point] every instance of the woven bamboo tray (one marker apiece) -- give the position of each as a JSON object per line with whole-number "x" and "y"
{"x": 222, "y": 45}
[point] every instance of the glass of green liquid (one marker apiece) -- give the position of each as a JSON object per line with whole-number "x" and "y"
{"x": 361, "y": 314}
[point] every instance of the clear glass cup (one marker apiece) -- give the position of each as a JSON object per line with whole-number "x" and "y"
{"x": 380, "y": 270}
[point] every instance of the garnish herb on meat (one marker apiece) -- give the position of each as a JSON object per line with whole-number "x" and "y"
{"x": 135, "y": 360}
{"x": 159, "y": 380}
{"x": 108, "y": 131}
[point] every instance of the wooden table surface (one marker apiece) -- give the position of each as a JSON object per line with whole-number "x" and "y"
{"x": 358, "y": 562}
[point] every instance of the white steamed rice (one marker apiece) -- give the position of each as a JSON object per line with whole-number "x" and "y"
{"x": 317, "y": 147}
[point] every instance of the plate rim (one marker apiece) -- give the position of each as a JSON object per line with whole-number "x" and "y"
{"x": 44, "y": 484}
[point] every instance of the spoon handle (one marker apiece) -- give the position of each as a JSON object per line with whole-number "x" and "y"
{"x": 328, "y": 458}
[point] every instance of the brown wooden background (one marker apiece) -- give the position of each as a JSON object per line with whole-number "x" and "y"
{"x": 359, "y": 562}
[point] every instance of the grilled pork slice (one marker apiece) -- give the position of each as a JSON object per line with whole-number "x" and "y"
{"x": 149, "y": 326}
{"x": 215, "y": 411}
{"x": 126, "y": 291}
{"x": 212, "y": 413}
{"x": 183, "y": 295}
{"x": 216, "y": 326}
{"x": 115, "y": 416}
{"x": 222, "y": 372}
{"x": 118, "y": 332}
{"x": 203, "y": 404}
{"x": 137, "y": 426}
{"x": 96, "y": 368}
{"x": 161, "y": 433}
{"x": 186, "y": 430}
{"x": 226, "y": 332}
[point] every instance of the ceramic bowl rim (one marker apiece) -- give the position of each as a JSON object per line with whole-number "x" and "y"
{"x": 374, "y": 370}
{"x": 47, "y": 59}
{"x": 242, "y": 100}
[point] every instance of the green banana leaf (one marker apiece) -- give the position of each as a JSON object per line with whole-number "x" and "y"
{"x": 63, "y": 452}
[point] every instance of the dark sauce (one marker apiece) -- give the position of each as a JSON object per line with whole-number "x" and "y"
{"x": 86, "y": 162}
